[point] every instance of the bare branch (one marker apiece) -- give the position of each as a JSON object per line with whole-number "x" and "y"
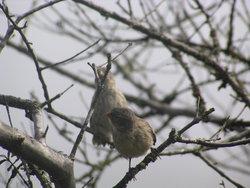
{"x": 74, "y": 56}
{"x": 214, "y": 144}
{"x": 26, "y": 14}
{"x": 19, "y": 29}
{"x": 200, "y": 155}
{"x": 221, "y": 73}
{"x": 231, "y": 29}
{"x": 92, "y": 106}
{"x": 56, "y": 164}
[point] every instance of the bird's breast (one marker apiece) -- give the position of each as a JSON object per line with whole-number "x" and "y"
{"x": 130, "y": 145}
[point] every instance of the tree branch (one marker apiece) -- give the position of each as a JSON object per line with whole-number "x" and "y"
{"x": 222, "y": 73}
{"x": 29, "y": 149}
{"x": 200, "y": 155}
{"x": 20, "y": 18}
{"x": 100, "y": 83}
{"x": 30, "y": 50}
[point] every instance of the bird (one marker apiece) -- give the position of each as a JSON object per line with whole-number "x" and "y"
{"x": 109, "y": 98}
{"x": 132, "y": 135}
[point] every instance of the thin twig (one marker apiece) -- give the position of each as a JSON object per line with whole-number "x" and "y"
{"x": 214, "y": 144}
{"x": 213, "y": 32}
{"x": 222, "y": 73}
{"x": 195, "y": 89}
{"x": 92, "y": 106}
{"x": 152, "y": 10}
{"x": 231, "y": 28}
{"x": 30, "y": 50}
{"x": 129, "y": 44}
{"x": 56, "y": 97}
{"x": 8, "y": 111}
{"x": 88, "y": 182}
{"x": 195, "y": 121}
{"x": 67, "y": 60}
{"x": 11, "y": 29}
{"x": 218, "y": 170}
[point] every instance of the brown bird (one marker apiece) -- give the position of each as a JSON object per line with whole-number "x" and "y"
{"x": 109, "y": 98}
{"x": 133, "y": 136}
